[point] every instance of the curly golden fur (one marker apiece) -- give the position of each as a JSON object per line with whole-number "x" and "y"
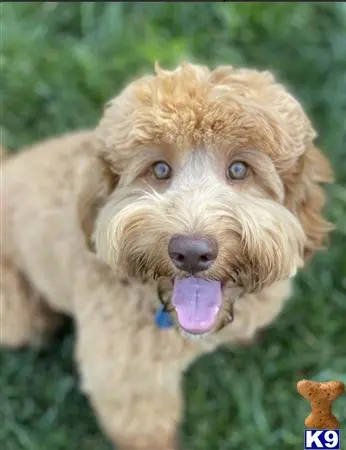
{"x": 96, "y": 190}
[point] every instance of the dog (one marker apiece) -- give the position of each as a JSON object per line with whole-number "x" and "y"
{"x": 196, "y": 199}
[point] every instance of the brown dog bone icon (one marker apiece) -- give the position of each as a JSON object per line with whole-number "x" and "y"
{"x": 321, "y": 396}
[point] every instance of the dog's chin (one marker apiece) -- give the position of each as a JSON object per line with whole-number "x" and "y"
{"x": 222, "y": 308}
{"x": 194, "y": 336}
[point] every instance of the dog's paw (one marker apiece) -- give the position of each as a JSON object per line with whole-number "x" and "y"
{"x": 156, "y": 443}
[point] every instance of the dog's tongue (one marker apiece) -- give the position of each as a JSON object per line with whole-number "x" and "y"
{"x": 197, "y": 303}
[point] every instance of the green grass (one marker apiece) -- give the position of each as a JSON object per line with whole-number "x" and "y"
{"x": 59, "y": 64}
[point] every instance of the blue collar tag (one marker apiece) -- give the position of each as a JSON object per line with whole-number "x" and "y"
{"x": 163, "y": 319}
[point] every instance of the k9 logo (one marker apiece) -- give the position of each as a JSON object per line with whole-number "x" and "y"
{"x": 322, "y": 439}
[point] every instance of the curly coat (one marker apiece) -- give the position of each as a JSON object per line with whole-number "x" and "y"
{"x": 95, "y": 190}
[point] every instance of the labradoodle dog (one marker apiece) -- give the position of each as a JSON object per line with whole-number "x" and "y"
{"x": 184, "y": 214}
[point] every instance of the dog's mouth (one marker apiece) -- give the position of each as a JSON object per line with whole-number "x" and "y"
{"x": 197, "y": 303}
{"x": 200, "y": 306}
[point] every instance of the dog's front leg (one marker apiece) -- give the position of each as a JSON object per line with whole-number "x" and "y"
{"x": 130, "y": 369}
{"x": 138, "y": 420}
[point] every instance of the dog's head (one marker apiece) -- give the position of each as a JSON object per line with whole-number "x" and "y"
{"x": 208, "y": 182}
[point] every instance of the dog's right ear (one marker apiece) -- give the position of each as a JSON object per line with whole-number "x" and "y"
{"x": 97, "y": 183}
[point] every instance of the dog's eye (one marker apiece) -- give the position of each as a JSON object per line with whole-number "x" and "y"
{"x": 237, "y": 170}
{"x": 162, "y": 171}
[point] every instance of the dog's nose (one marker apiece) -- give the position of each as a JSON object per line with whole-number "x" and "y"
{"x": 192, "y": 254}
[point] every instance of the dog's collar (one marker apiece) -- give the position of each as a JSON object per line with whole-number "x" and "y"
{"x": 163, "y": 319}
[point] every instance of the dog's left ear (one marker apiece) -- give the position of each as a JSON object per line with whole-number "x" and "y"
{"x": 307, "y": 197}
{"x": 97, "y": 183}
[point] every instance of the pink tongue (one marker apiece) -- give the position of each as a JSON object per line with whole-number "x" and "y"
{"x": 197, "y": 303}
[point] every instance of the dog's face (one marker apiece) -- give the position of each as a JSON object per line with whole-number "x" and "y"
{"x": 206, "y": 182}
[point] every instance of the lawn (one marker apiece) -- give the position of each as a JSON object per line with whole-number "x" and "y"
{"x": 59, "y": 64}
